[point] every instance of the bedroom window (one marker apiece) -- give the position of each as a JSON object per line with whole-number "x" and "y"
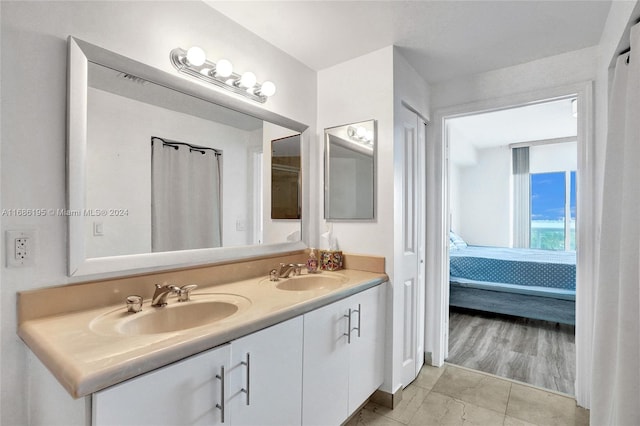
{"x": 553, "y": 210}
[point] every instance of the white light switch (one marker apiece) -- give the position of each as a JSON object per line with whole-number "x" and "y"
{"x": 98, "y": 229}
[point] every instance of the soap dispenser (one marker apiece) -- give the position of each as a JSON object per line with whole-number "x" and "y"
{"x": 312, "y": 262}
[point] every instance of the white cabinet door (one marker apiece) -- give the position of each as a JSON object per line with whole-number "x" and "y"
{"x": 366, "y": 351}
{"x": 189, "y": 392}
{"x": 325, "y": 365}
{"x": 266, "y": 376}
{"x": 340, "y": 371}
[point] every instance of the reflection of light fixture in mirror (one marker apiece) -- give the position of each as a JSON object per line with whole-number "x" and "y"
{"x": 194, "y": 63}
{"x": 574, "y": 108}
{"x": 360, "y": 134}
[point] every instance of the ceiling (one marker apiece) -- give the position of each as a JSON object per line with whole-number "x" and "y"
{"x": 441, "y": 39}
{"x": 542, "y": 121}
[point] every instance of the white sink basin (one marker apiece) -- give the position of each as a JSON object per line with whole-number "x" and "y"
{"x": 201, "y": 310}
{"x": 312, "y": 282}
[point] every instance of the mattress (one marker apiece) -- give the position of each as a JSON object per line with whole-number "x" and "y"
{"x": 527, "y": 269}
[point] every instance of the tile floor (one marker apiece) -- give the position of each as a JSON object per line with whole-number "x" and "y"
{"x": 454, "y": 395}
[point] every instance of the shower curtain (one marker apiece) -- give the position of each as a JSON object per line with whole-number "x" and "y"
{"x": 185, "y": 199}
{"x": 615, "y": 391}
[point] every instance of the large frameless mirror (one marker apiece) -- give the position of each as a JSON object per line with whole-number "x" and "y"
{"x": 350, "y": 172}
{"x": 163, "y": 172}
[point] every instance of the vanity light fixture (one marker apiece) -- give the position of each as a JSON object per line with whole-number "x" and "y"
{"x": 360, "y": 134}
{"x": 194, "y": 63}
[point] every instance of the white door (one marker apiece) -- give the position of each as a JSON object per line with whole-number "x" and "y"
{"x": 411, "y": 259}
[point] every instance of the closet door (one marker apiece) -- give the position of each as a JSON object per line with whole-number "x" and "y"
{"x": 409, "y": 204}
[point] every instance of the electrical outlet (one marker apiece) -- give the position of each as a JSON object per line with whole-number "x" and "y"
{"x": 21, "y": 248}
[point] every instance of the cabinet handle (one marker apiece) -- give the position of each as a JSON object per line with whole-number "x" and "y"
{"x": 359, "y": 311}
{"x": 348, "y": 334}
{"x": 221, "y": 406}
{"x": 247, "y": 363}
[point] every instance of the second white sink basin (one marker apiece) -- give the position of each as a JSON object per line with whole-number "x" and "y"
{"x": 312, "y": 282}
{"x": 203, "y": 309}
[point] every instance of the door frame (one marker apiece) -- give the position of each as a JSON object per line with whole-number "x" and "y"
{"x": 437, "y": 225}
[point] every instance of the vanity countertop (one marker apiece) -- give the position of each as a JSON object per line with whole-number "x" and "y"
{"x": 85, "y": 359}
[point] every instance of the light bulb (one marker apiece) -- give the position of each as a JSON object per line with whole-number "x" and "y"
{"x": 361, "y": 132}
{"x": 223, "y": 68}
{"x": 247, "y": 80}
{"x": 196, "y": 56}
{"x": 268, "y": 89}
{"x": 369, "y": 135}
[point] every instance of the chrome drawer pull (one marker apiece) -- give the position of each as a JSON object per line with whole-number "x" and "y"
{"x": 221, "y": 406}
{"x": 247, "y": 363}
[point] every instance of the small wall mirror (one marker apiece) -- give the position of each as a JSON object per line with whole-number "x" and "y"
{"x": 286, "y": 182}
{"x": 350, "y": 172}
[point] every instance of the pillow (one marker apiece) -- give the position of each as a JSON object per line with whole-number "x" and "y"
{"x": 456, "y": 240}
{"x": 452, "y": 246}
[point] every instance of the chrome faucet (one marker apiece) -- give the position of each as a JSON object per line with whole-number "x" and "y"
{"x": 291, "y": 269}
{"x": 160, "y": 295}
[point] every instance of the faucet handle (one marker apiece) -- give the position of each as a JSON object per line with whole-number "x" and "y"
{"x": 273, "y": 275}
{"x": 134, "y": 303}
{"x": 298, "y": 268}
{"x": 184, "y": 292}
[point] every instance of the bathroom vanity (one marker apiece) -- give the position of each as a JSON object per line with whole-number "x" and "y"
{"x": 307, "y": 349}
{"x": 244, "y": 350}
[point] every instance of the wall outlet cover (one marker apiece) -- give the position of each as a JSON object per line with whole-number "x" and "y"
{"x": 20, "y": 248}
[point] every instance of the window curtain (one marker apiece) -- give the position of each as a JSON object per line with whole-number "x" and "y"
{"x": 615, "y": 390}
{"x": 185, "y": 199}
{"x": 521, "y": 197}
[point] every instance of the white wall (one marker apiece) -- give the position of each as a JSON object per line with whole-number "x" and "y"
{"x": 33, "y": 123}
{"x": 484, "y": 199}
{"x": 553, "y": 71}
{"x": 348, "y": 93}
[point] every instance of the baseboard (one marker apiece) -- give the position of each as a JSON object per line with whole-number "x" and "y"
{"x": 386, "y": 399}
{"x": 428, "y": 358}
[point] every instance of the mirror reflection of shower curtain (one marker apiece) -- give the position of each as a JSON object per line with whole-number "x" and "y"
{"x": 185, "y": 199}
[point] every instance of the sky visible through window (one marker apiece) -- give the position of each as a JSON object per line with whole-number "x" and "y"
{"x": 548, "y": 210}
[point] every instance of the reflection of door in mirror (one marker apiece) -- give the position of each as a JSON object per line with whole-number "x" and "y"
{"x": 350, "y": 171}
{"x": 285, "y": 178}
{"x": 185, "y": 196}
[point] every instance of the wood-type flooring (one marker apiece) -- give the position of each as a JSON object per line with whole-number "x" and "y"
{"x": 536, "y": 352}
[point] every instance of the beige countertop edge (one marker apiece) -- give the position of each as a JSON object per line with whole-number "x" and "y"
{"x": 80, "y": 382}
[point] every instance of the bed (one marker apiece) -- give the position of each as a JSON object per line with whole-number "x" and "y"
{"x": 533, "y": 283}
